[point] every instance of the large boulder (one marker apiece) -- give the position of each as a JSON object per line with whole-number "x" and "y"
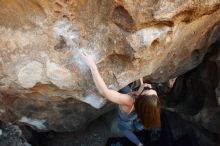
{"x": 193, "y": 98}
{"x": 11, "y": 135}
{"x": 44, "y": 82}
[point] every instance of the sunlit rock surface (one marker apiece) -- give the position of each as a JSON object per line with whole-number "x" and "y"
{"x": 42, "y": 77}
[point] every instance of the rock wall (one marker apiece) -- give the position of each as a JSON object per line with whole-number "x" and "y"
{"x": 195, "y": 99}
{"x": 11, "y": 135}
{"x": 42, "y": 77}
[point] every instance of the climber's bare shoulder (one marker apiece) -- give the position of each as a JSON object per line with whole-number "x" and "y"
{"x": 119, "y": 98}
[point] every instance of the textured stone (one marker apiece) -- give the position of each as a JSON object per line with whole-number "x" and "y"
{"x": 40, "y": 42}
{"x": 30, "y": 74}
{"x": 11, "y": 135}
{"x": 193, "y": 97}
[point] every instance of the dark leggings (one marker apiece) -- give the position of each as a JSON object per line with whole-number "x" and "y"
{"x": 166, "y": 137}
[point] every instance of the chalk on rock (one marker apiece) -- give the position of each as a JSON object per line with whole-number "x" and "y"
{"x": 94, "y": 100}
{"x": 36, "y": 123}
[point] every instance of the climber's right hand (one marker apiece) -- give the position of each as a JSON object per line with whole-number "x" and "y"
{"x": 88, "y": 59}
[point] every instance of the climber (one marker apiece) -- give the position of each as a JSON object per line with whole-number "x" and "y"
{"x": 137, "y": 110}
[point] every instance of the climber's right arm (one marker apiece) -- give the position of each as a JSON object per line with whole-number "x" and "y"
{"x": 114, "y": 96}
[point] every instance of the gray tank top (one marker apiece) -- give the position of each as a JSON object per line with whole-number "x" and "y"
{"x": 129, "y": 121}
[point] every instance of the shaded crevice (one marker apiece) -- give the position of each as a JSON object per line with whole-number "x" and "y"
{"x": 118, "y": 61}
{"x": 184, "y": 16}
{"x": 122, "y": 18}
{"x": 190, "y": 15}
{"x": 154, "y": 24}
{"x": 196, "y": 89}
{"x": 180, "y": 124}
{"x": 61, "y": 45}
